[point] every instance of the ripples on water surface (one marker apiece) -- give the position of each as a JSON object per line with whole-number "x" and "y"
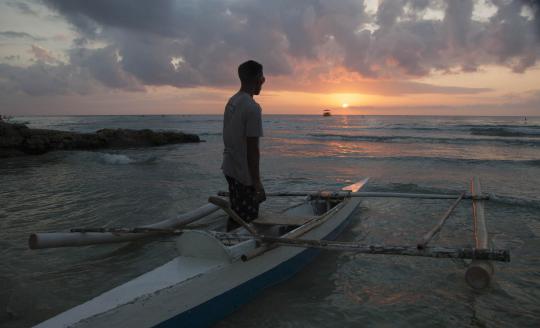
{"x": 62, "y": 190}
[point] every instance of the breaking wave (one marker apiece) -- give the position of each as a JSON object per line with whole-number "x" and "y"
{"x": 504, "y": 132}
{"x": 210, "y": 134}
{"x": 116, "y": 159}
{"x": 446, "y": 160}
{"x": 465, "y": 160}
{"x": 120, "y": 159}
{"x": 442, "y": 140}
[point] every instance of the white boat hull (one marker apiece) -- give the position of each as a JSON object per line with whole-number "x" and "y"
{"x": 195, "y": 291}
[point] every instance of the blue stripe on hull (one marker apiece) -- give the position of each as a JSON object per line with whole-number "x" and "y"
{"x": 220, "y": 306}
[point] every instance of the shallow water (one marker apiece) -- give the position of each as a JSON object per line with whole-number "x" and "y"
{"x": 62, "y": 190}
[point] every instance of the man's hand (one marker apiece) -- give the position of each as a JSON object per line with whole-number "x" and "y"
{"x": 260, "y": 194}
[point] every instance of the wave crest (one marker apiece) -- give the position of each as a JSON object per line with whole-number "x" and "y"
{"x": 493, "y": 197}
{"x": 504, "y": 132}
{"x": 120, "y": 159}
{"x": 441, "y": 140}
{"x": 514, "y": 201}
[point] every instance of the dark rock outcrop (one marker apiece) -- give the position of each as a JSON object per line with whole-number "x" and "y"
{"x": 18, "y": 139}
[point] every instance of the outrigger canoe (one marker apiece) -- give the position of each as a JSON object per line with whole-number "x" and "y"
{"x": 215, "y": 272}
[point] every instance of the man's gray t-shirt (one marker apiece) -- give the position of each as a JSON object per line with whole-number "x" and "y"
{"x": 242, "y": 119}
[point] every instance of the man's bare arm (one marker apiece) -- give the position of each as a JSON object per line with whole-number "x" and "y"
{"x": 253, "y": 158}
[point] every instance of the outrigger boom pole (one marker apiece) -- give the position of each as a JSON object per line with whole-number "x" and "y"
{"x": 381, "y": 194}
{"x": 436, "y": 252}
{"x": 490, "y": 254}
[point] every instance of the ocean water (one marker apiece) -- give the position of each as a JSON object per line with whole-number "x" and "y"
{"x": 131, "y": 187}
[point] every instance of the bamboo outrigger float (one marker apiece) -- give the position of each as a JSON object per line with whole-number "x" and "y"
{"x": 219, "y": 271}
{"x": 480, "y": 272}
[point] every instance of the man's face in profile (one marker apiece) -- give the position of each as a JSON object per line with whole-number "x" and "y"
{"x": 259, "y": 81}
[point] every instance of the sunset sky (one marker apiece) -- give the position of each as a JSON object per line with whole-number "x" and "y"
{"x": 404, "y": 57}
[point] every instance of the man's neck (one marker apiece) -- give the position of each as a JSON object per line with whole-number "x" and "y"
{"x": 247, "y": 90}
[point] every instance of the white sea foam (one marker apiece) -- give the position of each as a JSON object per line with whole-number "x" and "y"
{"x": 120, "y": 159}
{"x": 117, "y": 159}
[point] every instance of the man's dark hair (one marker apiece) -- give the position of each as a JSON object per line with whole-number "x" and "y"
{"x": 249, "y": 70}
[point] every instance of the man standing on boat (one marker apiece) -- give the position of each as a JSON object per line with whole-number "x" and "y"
{"x": 242, "y": 128}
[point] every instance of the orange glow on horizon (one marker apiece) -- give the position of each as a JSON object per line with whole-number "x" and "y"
{"x": 285, "y": 95}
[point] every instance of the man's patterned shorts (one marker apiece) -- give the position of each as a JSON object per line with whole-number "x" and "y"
{"x": 243, "y": 202}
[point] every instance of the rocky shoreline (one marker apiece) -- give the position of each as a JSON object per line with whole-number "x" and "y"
{"x": 18, "y": 139}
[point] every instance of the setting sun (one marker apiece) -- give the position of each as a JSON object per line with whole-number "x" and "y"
{"x": 344, "y": 105}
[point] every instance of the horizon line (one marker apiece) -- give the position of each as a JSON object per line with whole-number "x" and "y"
{"x": 268, "y": 114}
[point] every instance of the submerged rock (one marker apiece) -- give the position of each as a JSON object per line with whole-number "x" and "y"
{"x": 18, "y": 139}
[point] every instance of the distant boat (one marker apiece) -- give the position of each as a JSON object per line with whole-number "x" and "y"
{"x": 326, "y": 112}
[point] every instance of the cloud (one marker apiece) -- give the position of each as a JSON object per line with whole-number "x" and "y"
{"x": 526, "y": 99}
{"x": 14, "y": 35}
{"x": 22, "y": 7}
{"x": 370, "y": 86}
{"x": 408, "y": 46}
{"x": 521, "y": 103}
{"x": 12, "y": 57}
{"x": 43, "y": 54}
{"x": 41, "y": 79}
{"x": 194, "y": 43}
{"x": 89, "y": 70}
{"x": 103, "y": 65}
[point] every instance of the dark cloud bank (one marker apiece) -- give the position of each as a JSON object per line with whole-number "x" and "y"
{"x": 192, "y": 43}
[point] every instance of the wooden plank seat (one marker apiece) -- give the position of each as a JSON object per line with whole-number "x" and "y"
{"x": 270, "y": 218}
